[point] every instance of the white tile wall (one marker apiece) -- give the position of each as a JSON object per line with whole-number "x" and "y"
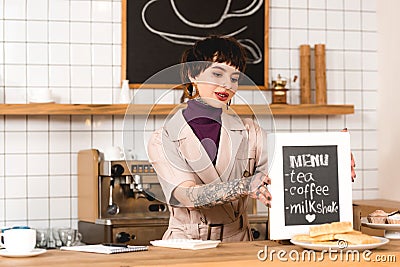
{"x": 73, "y": 48}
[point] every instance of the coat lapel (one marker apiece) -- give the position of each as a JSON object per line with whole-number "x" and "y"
{"x": 191, "y": 149}
{"x": 230, "y": 140}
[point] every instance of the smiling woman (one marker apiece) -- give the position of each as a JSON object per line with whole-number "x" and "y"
{"x": 205, "y": 159}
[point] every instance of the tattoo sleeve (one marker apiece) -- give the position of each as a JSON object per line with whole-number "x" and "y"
{"x": 209, "y": 195}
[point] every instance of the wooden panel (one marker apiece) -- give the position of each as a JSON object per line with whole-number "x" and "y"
{"x": 165, "y": 109}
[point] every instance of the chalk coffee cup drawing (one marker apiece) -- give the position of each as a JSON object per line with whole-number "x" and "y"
{"x": 113, "y": 153}
{"x": 40, "y": 95}
{"x": 18, "y": 241}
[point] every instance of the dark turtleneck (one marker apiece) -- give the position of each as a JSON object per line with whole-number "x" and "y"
{"x": 205, "y": 122}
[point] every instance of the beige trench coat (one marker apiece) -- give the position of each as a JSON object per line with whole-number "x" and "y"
{"x": 178, "y": 156}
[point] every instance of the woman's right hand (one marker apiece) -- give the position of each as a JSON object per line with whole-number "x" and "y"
{"x": 258, "y": 188}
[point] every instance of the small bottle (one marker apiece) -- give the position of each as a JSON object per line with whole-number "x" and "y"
{"x": 124, "y": 96}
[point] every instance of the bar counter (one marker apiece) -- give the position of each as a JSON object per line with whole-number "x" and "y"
{"x": 226, "y": 254}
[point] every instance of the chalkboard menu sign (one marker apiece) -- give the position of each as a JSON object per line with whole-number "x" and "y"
{"x": 311, "y": 181}
{"x": 156, "y": 32}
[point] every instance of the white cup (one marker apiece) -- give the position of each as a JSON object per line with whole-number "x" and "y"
{"x": 40, "y": 95}
{"x": 19, "y": 241}
{"x": 113, "y": 153}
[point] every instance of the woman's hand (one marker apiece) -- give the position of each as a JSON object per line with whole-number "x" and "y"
{"x": 258, "y": 188}
{"x": 353, "y": 163}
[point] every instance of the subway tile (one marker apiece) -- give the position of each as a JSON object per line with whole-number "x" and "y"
{"x": 335, "y": 79}
{"x": 295, "y": 61}
{"x": 370, "y": 100}
{"x": 334, "y": 20}
{"x": 298, "y": 4}
{"x": 356, "y": 139}
{"x": 37, "y": 31}
{"x": 74, "y": 162}
{"x": 300, "y": 123}
{"x": 61, "y": 95}
{"x": 358, "y": 183}
{"x": 141, "y": 140}
{"x": 279, "y": 18}
{"x": 318, "y": 123}
{"x": 335, "y": 97}
{"x": 59, "y": 142}
{"x": 352, "y": 5}
{"x": 102, "y": 96}
{"x": 102, "y": 76}
{"x": 59, "y": 76}
{"x": 37, "y": 142}
{"x": 38, "y": 75}
{"x": 368, "y": 5}
{"x": 279, "y": 38}
{"x": 81, "y": 54}
{"x": 122, "y": 122}
{"x": 116, "y": 34}
{"x": 36, "y": 9}
{"x": 352, "y": 40}
{"x": 116, "y": 61}
{"x": 318, "y": 4}
{"x": 38, "y": 164}
{"x": 116, "y": 11}
{"x": 354, "y": 121}
{"x": 369, "y": 120}
{"x": 280, "y": 58}
{"x": 38, "y": 186}
{"x": 81, "y": 123}
{"x": 317, "y": 37}
{"x": 15, "y": 142}
{"x": 60, "y": 186}
{"x": 370, "y": 80}
{"x": 371, "y": 180}
{"x": 102, "y": 140}
{"x": 80, "y": 141}
{"x": 15, "y": 123}
{"x": 74, "y": 186}
{"x": 14, "y": 9}
{"x": 101, "y": 33}
{"x": 37, "y": 53}
{"x": 15, "y": 187}
{"x": 37, "y": 123}
{"x": 102, "y": 123}
{"x": 298, "y": 18}
{"x": 352, "y": 20}
{"x": 80, "y": 10}
{"x": 369, "y": 41}
{"x": 358, "y": 157}
{"x": 16, "y": 209}
{"x": 101, "y": 54}
{"x": 370, "y": 60}
{"x": 59, "y": 123}
{"x": 81, "y": 96}
{"x": 15, "y": 53}
{"x": 59, "y": 31}
{"x": 334, "y": 39}
{"x": 353, "y": 80}
{"x": 334, "y": 4}
{"x": 101, "y": 11}
{"x": 15, "y": 165}
{"x": 316, "y": 19}
{"x": 2, "y": 191}
{"x": 59, "y": 10}
{"x": 369, "y": 21}
{"x": 334, "y": 60}
{"x": 81, "y": 76}
{"x": 59, "y": 54}
{"x": 370, "y": 140}
{"x": 279, "y": 3}
{"x": 370, "y": 159}
{"x": 80, "y": 32}
{"x": 59, "y": 164}
{"x": 335, "y": 123}
{"x": 353, "y": 60}
{"x": 60, "y": 208}
{"x": 38, "y": 209}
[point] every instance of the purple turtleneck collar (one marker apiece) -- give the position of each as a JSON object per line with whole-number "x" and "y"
{"x": 205, "y": 122}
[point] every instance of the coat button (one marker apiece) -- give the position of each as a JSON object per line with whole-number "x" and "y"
{"x": 203, "y": 220}
{"x": 246, "y": 174}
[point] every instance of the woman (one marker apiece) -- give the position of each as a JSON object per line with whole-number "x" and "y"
{"x": 205, "y": 159}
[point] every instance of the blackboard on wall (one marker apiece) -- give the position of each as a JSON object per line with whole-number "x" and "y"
{"x": 311, "y": 181}
{"x": 156, "y": 32}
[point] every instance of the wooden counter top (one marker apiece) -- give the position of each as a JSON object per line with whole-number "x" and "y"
{"x": 226, "y": 254}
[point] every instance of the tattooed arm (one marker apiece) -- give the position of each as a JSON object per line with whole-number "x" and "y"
{"x": 208, "y": 195}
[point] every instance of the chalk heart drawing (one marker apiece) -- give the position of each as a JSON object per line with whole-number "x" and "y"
{"x": 310, "y": 218}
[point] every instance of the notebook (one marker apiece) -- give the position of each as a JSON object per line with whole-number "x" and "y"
{"x": 105, "y": 249}
{"x": 186, "y": 243}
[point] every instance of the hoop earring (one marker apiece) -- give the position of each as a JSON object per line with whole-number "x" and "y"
{"x": 228, "y": 104}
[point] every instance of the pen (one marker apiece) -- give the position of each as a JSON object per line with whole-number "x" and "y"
{"x": 115, "y": 245}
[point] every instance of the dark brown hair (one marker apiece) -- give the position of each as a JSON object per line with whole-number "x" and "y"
{"x": 211, "y": 49}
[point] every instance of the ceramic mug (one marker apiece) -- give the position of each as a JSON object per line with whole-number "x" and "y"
{"x": 39, "y": 95}
{"x": 19, "y": 241}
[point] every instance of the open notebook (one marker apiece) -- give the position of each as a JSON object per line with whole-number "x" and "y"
{"x": 105, "y": 249}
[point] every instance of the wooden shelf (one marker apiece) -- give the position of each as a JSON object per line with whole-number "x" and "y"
{"x": 165, "y": 109}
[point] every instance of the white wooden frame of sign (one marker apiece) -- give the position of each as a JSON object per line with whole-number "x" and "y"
{"x": 278, "y": 229}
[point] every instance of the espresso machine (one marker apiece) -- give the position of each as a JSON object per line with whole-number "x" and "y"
{"x": 119, "y": 201}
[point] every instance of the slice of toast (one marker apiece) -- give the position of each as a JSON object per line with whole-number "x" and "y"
{"x": 331, "y": 228}
{"x": 308, "y": 238}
